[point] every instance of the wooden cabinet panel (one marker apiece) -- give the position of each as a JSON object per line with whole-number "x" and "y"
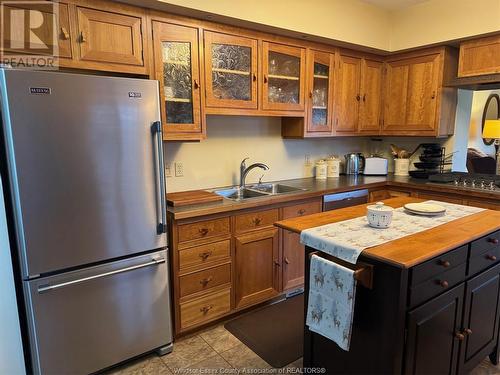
{"x": 230, "y": 71}
{"x": 109, "y": 37}
{"x": 320, "y": 92}
{"x": 205, "y": 229}
{"x": 203, "y": 255}
{"x": 378, "y": 195}
{"x": 257, "y": 267}
{"x": 44, "y": 32}
{"x": 480, "y": 56}
{"x": 204, "y": 309}
{"x": 371, "y": 96}
{"x": 480, "y": 318}
{"x": 293, "y": 251}
{"x": 431, "y": 346}
{"x": 396, "y": 91}
{"x": 347, "y": 94}
{"x": 439, "y": 197}
{"x": 283, "y": 83}
{"x": 204, "y": 280}
{"x": 255, "y": 220}
{"x": 177, "y": 70}
{"x": 422, "y": 94}
{"x": 484, "y": 204}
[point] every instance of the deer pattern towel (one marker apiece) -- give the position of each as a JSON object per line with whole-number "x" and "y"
{"x": 330, "y": 309}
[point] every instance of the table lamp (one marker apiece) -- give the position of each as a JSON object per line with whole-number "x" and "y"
{"x": 492, "y": 130}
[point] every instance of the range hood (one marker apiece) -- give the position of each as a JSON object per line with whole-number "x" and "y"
{"x": 482, "y": 82}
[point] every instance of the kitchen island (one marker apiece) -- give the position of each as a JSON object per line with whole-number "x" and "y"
{"x": 429, "y": 303}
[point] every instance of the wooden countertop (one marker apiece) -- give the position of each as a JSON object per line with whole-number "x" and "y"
{"x": 410, "y": 250}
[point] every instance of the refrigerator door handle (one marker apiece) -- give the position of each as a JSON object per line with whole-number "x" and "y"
{"x": 48, "y": 288}
{"x": 158, "y": 132}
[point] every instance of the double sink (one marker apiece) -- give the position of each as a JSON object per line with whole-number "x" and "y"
{"x": 256, "y": 191}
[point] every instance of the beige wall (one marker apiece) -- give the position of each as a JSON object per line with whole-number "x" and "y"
{"x": 358, "y": 22}
{"x": 437, "y": 21}
{"x": 351, "y": 21}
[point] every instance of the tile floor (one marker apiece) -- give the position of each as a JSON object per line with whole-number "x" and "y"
{"x": 216, "y": 351}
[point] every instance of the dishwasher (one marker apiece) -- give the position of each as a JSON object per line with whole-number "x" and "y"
{"x": 346, "y": 199}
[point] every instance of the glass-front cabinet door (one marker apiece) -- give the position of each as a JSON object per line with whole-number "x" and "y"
{"x": 177, "y": 70}
{"x": 230, "y": 71}
{"x": 320, "y": 91}
{"x": 283, "y": 77}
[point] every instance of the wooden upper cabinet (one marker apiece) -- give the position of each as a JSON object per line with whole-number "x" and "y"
{"x": 320, "y": 92}
{"x": 480, "y": 56}
{"x": 44, "y": 33}
{"x": 416, "y": 103}
{"x": 230, "y": 71}
{"x": 176, "y": 62}
{"x": 347, "y": 94}
{"x": 283, "y": 77}
{"x": 108, "y": 37}
{"x": 371, "y": 96}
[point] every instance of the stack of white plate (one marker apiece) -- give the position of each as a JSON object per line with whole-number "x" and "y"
{"x": 425, "y": 209}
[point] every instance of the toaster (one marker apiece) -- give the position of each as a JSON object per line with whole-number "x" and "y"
{"x": 375, "y": 166}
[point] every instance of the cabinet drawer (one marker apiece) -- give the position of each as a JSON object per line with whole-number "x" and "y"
{"x": 203, "y": 280}
{"x": 203, "y": 229}
{"x": 204, "y": 254}
{"x": 301, "y": 209}
{"x": 486, "y": 243}
{"x": 205, "y": 309}
{"x": 480, "y": 262}
{"x": 438, "y": 197}
{"x": 437, "y": 284}
{"x": 438, "y": 265}
{"x": 254, "y": 220}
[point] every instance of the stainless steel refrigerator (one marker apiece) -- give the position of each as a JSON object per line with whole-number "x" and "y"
{"x": 84, "y": 162}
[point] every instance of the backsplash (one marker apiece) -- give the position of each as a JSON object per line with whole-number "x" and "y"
{"x": 215, "y": 161}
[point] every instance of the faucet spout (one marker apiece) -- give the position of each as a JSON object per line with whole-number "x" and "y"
{"x": 244, "y": 171}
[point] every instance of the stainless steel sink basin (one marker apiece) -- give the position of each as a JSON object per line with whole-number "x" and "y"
{"x": 239, "y": 194}
{"x": 275, "y": 188}
{"x": 255, "y": 191}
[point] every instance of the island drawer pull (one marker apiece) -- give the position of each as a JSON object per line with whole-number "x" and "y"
{"x": 494, "y": 241}
{"x": 363, "y": 272}
{"x": 468, "y": 331}
{"x": 444, "y": 263}
{"x": 491, "y": 257}
{"x": 443, "y": 283}
{"x": 459, "y": 336}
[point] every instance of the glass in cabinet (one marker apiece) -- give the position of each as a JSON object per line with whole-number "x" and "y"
{"x": 177, "y": 70}
{"x": 230, "y": 71}
{"x": 283, "y": 80}
{"x": 320, "y": 96}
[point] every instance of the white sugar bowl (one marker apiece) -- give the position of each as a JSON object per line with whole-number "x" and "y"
{"x": 379, "y": 215}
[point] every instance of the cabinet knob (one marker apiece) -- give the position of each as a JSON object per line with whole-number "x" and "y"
{"x": 444, "y": 263}
{"x": 301, "y": 211}
{"x": 364, "y": 97}
{"x": 83, "y": 39}
{"x": 277, "y": 264}
{"x": 203, "y": 231}
{"x": 494, "y": 241}
{"x": 468, "y": 331}
{"x": 358, "y": 97}
{"x": 459, "y": 336}
{"x": 205, "y": 281}
{"x": 64, "y": 33}
{"x": 254, "y": 77}
{"x": 256, "y": 220}
{"x": 206, "y": 309}
{"x": 310, "y": 94}
{"x": 195, "y": 84}
{"x": 287, "y": 261}
{"x": 205, "y": 255}
{"x": 265, "y": 78}
{"x": 433, "y": 96}
{"x": 443, "y": 283}
{"x": 491, "y": 257}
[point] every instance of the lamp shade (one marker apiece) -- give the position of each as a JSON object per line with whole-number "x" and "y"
{"x": 491, "y": 129}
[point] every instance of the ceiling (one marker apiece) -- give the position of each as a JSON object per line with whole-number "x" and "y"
{"x": 394, "y": 4}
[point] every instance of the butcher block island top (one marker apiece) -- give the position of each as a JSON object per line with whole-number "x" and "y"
{"x": 410, "y": 250}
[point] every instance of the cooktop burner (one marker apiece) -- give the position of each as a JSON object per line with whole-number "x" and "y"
{"x": 475, "y": 181}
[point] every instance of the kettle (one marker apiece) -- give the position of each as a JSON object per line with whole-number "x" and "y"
{"x": 354, "y": 163}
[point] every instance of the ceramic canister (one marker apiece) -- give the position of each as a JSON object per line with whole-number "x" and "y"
{"x": 332, "y": 167}
{"x": 401, "y": 167}
{"x": 379, "y": 215}
{"x": 321, "y": 170}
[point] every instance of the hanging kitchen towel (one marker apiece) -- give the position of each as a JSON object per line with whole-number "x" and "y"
{"x": 332, "y": 291}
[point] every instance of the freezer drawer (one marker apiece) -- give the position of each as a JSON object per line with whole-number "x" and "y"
{"x": 90, "y": 319}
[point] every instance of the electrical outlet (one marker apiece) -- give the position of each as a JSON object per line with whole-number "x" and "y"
{"x": 179, "y": 169}
{"x": 307, "y": 159}
{"x": 168, "y": 170}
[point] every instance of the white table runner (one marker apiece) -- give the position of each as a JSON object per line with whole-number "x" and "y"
{"x": 347, "y": 239}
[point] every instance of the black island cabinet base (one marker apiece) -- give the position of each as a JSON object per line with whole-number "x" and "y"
{"x": 450, "y": 331}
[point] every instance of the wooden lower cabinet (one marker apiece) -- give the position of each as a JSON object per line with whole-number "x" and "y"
{"x": 205, "y": 309}
{"x": 257, "y": 267}
{"x": 378, "y": 195}
{"x": 431, "y": 348}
